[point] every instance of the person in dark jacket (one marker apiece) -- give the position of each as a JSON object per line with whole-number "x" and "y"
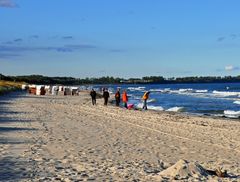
{"x": 106, "y": 96}
{"x": 93, "y": 95}
{"x": 118, "y": 97}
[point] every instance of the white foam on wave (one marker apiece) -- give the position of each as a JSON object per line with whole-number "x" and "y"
{"x": 190, "y": 90}
{"x": 156, "y": 108}
{"x": 156, "y": 90}
{"x": 218, "y": 115}
{"x": 185, "y": 90}
{"x": 225, "y": 94}
{"x": 139, "y": 105}
{"x": 237, "y": 102}
{"x": 136, "y": 98}
{"x": 136, "y": 88}
{"x": 151, "y": 100}
{"x": 201, "y": 91}
{"x": 150, "y": 107}
{"x": 232, "y": 114}
{"x": 165, "y": 90}
{"x": 175, "y": 109}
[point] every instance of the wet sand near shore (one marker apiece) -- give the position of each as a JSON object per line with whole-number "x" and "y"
{"x": 65, "y": 138}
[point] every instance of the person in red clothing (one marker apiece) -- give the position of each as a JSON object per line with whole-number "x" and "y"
{"x": 125, "y": 98}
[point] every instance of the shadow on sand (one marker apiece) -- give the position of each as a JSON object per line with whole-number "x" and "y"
{"x": 13, "y": 141}
{"x": 8, "y": 129}
{"x": 13, "y": 167}
{"x": 4, "y": 120}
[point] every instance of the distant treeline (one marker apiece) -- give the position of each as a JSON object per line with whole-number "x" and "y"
{"x": 39, "y": 79}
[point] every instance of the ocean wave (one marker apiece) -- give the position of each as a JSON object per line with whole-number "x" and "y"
{"x": 201, "y": 91}
{"x": 156, "y": 108}
{"x": 156, "y": 90}
{"x": 186, "y": 90}
{"x": 232, "y": 114}
{"x": 225, "y": 94}
{"x": 136, "y": 98}
{"x": 130, "y": 95}
{"x": 218, "y": 115}
{"x": 139, "y": 105}
{"x": 175, "y": 109}
{"x": 136, "y": 88}
{"x": 151, "y": 100}
{"x": 150, "y": 107}
{"x": 237, "y": 102}
{"x": 166, "y": 90}
{"x": 140, "y": 98}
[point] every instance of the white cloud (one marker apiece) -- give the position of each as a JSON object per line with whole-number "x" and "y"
{"x": 7, "y": 4}
{"x": 231, "y": 68}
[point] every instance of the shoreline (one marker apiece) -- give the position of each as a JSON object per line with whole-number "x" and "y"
{"x": 66, "y": 138}
{"x": 111, "y": 102}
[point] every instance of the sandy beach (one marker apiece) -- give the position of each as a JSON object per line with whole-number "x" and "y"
{"x": 65, "y": 138}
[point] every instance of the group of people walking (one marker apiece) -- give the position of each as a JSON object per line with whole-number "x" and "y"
{"x": 105, "y": 95}
{"x": 118, "y": 97}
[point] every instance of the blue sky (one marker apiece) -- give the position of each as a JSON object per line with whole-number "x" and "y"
{"x": 127, "y": 38}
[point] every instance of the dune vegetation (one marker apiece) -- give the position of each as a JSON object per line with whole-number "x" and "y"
{"x": 9, "y": 86}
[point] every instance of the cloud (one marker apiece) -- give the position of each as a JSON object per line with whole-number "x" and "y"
{"x": 8, "y": 55}
{"x": 231, "y": 68}
{"x": 80, "y": 46}
{"x": 13, "y": 49}
{"x": 233, "y": 36}
{"x": 67, "y": 37}
{"x": 153, "y": 28}
{"x": 34, "y": 36}
{"x": 65, "y": 48}
{"x": 7, "y": 4}
{"x": 18, "y": 40}
{"x": 220, "y": 39}
{"x": 12, "y": 42}
{"x": 8, "y": 42}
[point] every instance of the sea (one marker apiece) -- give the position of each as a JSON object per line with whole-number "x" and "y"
{"x": 211, "y": 99}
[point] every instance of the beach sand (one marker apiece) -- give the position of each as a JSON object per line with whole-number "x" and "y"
{"x": 65, "y": 138}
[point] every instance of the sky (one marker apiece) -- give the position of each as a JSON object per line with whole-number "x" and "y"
{"x": 120, "y": 38}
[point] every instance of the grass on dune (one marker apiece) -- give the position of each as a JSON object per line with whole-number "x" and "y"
{"x": 8, "y": 86}
{"x": 4, "y": 83}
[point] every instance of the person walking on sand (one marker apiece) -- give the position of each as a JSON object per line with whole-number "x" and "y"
{"x": 118, "y": 97}
{"x": 125, "y": 98}
{"x": 145, "y": 98}
{"x": 106, "y": 96}
{"x": 93, "y": 96}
